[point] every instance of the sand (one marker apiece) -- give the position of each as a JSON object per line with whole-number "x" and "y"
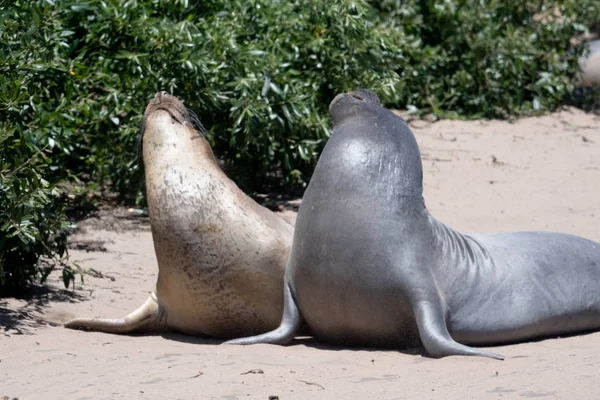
{"x": 538, "y": 173}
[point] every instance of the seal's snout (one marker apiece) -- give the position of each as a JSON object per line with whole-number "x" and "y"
{"x": 171, "y": 104}
{"x": 336, "y": 100}
{"x": 163, "y": 101}
{"x": 160, "y": 97}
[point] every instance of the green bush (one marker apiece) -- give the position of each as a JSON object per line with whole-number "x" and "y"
{"x": 258, "y": 73}
{"x": 492, "y": 58}
{"x": 32, "y": 226}
{"x": 75, "y": 77}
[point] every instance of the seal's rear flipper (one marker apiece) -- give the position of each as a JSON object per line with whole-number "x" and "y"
{"x": 287, "y": 330}
{"x": 435, "y": 336}
{"x": 146, "y": 318}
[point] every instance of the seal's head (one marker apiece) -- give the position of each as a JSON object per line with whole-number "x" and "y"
{"x": 346, "y": 105}
{"x": 170, "y": 104}
{"x": 169, "y": 129}
{"x": 163, "y": 101}
{"x": 372, "y": 144}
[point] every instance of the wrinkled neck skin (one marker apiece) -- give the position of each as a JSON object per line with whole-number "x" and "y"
{"x": 455, "y": 250}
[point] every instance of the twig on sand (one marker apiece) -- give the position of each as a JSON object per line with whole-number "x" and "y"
{"x": 310, "y": 383}
{"x": 98, "y": 274}
{"x": 197, "y": 375}
{"x": 253, "y": 371}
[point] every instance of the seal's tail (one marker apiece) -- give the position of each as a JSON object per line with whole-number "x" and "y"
{"x": 148, "y": 317}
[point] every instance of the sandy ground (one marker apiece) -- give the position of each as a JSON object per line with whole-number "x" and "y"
{"x": 539, "y": 173}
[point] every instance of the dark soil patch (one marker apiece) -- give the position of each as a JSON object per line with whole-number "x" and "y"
{"x": 88, "y": 245}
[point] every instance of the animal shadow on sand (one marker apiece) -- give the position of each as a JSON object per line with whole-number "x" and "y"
{"x": 308, "y": 341}
{"x": 21, "y": 315}
{"x": 305, "y": 341}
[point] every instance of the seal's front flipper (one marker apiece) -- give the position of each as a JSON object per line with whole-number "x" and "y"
{"x": 435, "y": 336}
{"x": 285, "y": 333}
{"x": 148, "y": 317}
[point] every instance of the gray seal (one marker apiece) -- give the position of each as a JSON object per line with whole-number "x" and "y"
{"x": 370, "y": 266}
{"x": 221, "y": 256}
{"x": 590, "y": 65}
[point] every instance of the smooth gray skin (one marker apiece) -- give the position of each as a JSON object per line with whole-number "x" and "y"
{"x": 370, "y": 266}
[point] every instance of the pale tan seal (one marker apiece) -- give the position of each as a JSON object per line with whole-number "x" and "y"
{"x": 221, "y": 256}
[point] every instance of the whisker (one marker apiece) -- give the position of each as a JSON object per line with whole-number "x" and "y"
{"x": 196, "y": 123}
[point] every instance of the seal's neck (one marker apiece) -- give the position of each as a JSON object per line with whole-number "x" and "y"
{"x": 462, "y": 251}
{"x": 376, "y": 153}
